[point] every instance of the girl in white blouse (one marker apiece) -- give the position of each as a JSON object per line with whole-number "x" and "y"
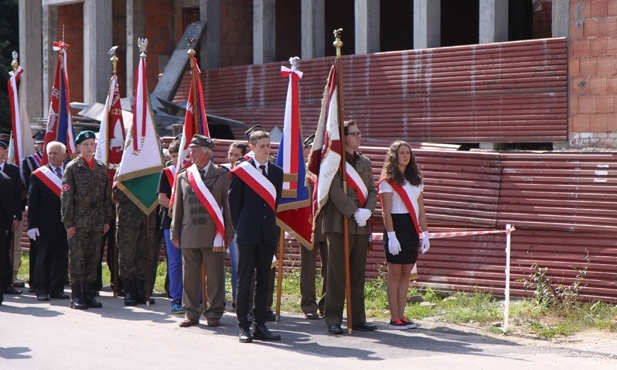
{"x": 406, "y": 230}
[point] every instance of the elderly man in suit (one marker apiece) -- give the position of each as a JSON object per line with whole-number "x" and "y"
{"x": 201, "y": 227}
{"x": 45, "y": 225}
{"x": 255, "y": 189}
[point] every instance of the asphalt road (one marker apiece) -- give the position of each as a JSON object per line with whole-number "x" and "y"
{"x": 50, "y": 335}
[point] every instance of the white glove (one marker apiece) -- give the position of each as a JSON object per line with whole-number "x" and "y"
{"x": 33, "y": 233}
{"x": 426, "y": 244}
{"x": 362, "y": 216}
{"x": 394, "y": 247}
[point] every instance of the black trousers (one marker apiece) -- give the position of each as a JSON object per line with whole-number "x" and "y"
{"x": 6, "y": 264}
{"x": 52, "y": 260}
{"x": 253, "y": 258}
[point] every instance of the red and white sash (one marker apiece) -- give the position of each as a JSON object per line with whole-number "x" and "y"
{"x": 355, "y": 182}
{"x": 49, "y": 178}
{"x": 170, "y": 173}
{"x": 37, "y": 158}
{"x": 406, "y": 198}
{"x": 207, "y": 200}
{"x": 257, "y": 181}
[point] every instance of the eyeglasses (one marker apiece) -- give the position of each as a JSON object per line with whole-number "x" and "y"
{"x": 357, "y": 133}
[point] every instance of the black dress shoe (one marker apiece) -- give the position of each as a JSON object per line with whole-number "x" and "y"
{"x": 43, "y": 297}
{"x": 11, "y": 290}
{"x": 59, "y": 296}
{"x": 245, "y": 336}
{"x": 270, "y": 316}
{"x": 335, "y": 329}
{"x": 263, "y": 333}
{"x": 364, "y": 327}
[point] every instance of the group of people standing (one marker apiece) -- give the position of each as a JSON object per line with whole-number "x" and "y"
{"x": 216, "y": 206}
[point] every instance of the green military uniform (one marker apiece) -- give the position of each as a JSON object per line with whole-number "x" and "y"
{"x": 86, "y": 205}
{"x": 131, "y": 241}
{"x": 339, "y": 205}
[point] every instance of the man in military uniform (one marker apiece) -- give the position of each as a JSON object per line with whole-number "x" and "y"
{"x": 201, "y": 227}
{"x": 131, "y": 228}
{"x": 347, "y": 204}
{"x": 7, "y": 215}
{"x": 87, "y": 215}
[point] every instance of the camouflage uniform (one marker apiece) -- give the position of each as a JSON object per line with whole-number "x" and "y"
{"x": 131, "y": 242}
{"x": 86, "y": 205}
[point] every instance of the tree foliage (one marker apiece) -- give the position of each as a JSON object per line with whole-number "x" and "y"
{"x": 9, "y": 41}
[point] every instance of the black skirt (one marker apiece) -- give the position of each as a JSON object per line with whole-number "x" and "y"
{"x": 408, "y": 238}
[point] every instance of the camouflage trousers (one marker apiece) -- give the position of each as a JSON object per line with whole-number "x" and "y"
{"x": 131, "y": 242}
{"x": 85, "y": 256}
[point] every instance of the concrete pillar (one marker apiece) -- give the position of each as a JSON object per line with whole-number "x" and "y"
{"x": 135, "y": 27}
{"x": 97, "y": 42}
{"x": 31, "y": 55}
{"x": 313, "y": 25}
{"x": 264, "y": 31}
{"x": 426, "y": 24}
{"x": 561, "y": 12}
{"x": 210, "y": 47}
{"x": 493, "y": 21}
{"x": 367, "y": 26}
{"x": 50, "y": 34}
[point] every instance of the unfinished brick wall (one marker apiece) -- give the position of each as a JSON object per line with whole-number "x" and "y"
{"x": 236, "y": 33}
{"x": 592, "y": 118}
{"x": 71, "y": 20}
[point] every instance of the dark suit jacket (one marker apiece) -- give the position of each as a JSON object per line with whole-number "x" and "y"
{"x": 8, "y": 208}
{"x": 28, "y": 166}
{"x": 43, "y": 207}
{"x": 252, "y": 217}
{"x": 13, "y": 172}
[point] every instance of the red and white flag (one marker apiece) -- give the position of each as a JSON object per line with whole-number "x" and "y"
{"x": 195, "y": 120}
{"x": 21, "y": 133}
{"x": 294, "y": 210}
{"x": 59, "y": 122}
{"x": 326, "y": 154}
{"x": 110, "y": 144}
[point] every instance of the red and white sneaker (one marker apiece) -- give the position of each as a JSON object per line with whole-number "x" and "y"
{"x": 409, "y": 324}
{"x": 397, "y": 324}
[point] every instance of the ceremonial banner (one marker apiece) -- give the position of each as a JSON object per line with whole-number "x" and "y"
{"x": 59, "y": 123}
{"x": 142, "y": 162}
{"x": 293, "y": 212}
{"x": 110, "y": 144}
{"x": 326, "y": 154}
{"x": 21, "y": 133}
{"x": 195, "y": 121}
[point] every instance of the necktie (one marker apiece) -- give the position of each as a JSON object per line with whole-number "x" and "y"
{"x": 58, "y": 172}
{"x": 201, "y": 172}
{"x": 263, "y": 169}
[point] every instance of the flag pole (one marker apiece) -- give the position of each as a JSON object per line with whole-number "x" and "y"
{"x": 279, "y": 274}
{"x": 338, "y": 44}
{"x": 147, "y": 283}
{"x": 114, "y": 63}
{"x": 194, "y": 76}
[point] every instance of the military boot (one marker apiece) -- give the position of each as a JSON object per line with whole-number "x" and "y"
{"x": 140, "y": 293}
{"x": 88, "y": 292}
{"x": 129, "y": 292}
{"x": 77, "y": 299}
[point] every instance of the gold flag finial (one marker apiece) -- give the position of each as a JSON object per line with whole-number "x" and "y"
{"x": 191, "y": 52}
{"x": 338, "y": 44}
{"x": 114, "y": 58}
{"x": 143, "y": 45}
{"x": 15, "y": 63}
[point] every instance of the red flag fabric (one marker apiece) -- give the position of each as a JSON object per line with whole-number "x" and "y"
{"x": 326, "y": 154}
{"x": 59, "y": 123}
{"x": 294, "y": 211}
{"x": 195, "y": 121}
